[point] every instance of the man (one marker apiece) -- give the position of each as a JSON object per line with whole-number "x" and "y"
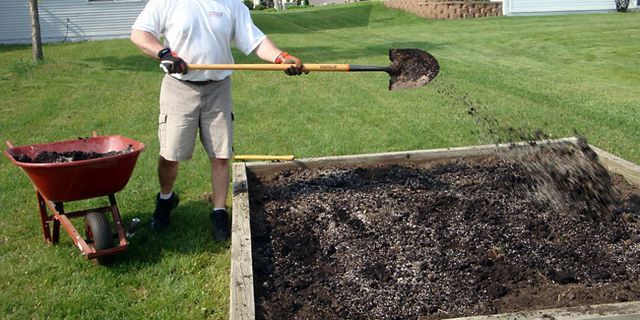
{"x": 198, "y": 32}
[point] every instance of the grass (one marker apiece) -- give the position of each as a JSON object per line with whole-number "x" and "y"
{"x": 560, "y": 74}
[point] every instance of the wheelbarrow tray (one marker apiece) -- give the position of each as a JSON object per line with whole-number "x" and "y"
{"x": 82, "y": 179}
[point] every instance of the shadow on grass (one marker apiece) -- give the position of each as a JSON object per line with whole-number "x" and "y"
{"x": 14, "y": 47}
{"x": 189, "y": 233}
{"x": 136, "y": 63}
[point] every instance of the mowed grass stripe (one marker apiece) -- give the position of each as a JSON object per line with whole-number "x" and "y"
{"x": 554, "y": 73}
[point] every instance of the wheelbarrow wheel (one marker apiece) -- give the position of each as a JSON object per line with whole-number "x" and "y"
{"x": 98, "y": 231}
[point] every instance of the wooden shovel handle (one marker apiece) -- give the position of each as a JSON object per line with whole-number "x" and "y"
{"x": 271, "y": 67}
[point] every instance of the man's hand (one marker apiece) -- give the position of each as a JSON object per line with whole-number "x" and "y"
{"x": 171, "y": 63}
{"x": 286, "y": 58}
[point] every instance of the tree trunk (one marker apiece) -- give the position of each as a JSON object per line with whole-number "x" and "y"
{"x": 36, "y": 42}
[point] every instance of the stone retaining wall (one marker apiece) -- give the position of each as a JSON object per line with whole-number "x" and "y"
{"x": 443, "y": 9}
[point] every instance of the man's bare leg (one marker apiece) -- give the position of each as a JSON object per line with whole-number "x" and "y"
{"x": 167, "y": 174}
{"x": 219, "y": 181}
{"x": 220, "y": 184}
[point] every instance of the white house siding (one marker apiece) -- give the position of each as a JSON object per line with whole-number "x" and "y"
{"x": 69, "y": 20}
{"x": 533, "y": 7}
{"x": 14, "y": 20}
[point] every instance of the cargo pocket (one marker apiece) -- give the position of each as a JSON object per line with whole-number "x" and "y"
{"x": 162, "y": 130}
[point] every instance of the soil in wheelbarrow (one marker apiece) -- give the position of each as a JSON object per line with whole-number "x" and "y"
{"x": 542, "y": 228}
{"x": 69, "y": 156}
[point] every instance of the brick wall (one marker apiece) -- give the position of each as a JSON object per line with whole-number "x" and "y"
{"x": 443, "y": 9}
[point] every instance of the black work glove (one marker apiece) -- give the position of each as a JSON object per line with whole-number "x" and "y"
{"x": 296, "y": 70}
{"x": 171, "y": 63}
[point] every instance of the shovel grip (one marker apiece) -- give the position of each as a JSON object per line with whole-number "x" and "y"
{"x": 271, "y": 67}
{"x": 355, "y": 67}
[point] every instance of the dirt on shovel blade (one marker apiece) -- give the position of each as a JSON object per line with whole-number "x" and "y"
{"x": 411, "y": 68}
{"x": 460, "y": 237}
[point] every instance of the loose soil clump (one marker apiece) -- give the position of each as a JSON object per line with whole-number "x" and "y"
{"x": 69, "y": 156}
{"x": 543, "y": 228}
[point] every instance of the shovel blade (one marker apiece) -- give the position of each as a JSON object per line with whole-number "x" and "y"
{"x": 411, "y": 68}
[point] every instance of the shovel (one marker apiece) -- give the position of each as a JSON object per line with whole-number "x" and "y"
{"x": 409, "y": 68}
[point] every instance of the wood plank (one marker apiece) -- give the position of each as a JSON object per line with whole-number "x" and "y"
{"x": 241, "y": 286}
{"x": 611, "y": 311}
{"x": 620, "y": 166}
{"x": 266, "y": 168}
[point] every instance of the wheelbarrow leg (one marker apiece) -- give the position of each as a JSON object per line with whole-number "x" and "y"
{"x": 56, "y": 223}
{"x": 56, "y": 231}
{"x": 44, "y": 218}
{"x": 115, "y": 212}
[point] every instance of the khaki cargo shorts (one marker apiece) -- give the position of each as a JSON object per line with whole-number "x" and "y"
{"x": 187, "y": 108}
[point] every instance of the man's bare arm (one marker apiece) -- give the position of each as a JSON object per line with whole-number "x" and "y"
{"x": 267, "y": 50}
{"x": 146, "y": 42}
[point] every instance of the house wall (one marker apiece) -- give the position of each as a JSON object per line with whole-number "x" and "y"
{"x": 534, "y": 7}
{"x": 69, "y": 20}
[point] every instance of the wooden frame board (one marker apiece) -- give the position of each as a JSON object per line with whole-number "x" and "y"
{"x": 242, "y": 304}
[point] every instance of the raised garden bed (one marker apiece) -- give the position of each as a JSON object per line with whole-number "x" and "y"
{"x": 436, "y": 234}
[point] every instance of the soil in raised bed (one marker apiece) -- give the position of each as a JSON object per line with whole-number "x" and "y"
{"x": 69, "y": 156}
{"x": 542, "y": 228}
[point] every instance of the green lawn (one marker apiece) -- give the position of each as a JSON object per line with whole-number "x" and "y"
{"x": 559, "y": 74}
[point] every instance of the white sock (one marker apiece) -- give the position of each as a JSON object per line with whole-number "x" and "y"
{"x": 166, "y": 196}
{"x": 216, "y": 209}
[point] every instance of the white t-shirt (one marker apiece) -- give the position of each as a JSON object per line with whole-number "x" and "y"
{"x": 200, "y": 31}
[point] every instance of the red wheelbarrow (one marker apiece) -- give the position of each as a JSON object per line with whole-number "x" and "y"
{"x": 60, "y": 182}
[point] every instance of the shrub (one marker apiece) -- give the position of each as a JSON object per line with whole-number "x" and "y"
{"x": 622, "y": 5}
{"x": 249, "y": 4}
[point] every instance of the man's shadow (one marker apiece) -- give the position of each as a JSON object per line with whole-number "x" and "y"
{"x": 189, "y": 233}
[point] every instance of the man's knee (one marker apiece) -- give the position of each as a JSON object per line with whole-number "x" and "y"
{"x": 164, "y": 162}
{"x": 217, "y": 162}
